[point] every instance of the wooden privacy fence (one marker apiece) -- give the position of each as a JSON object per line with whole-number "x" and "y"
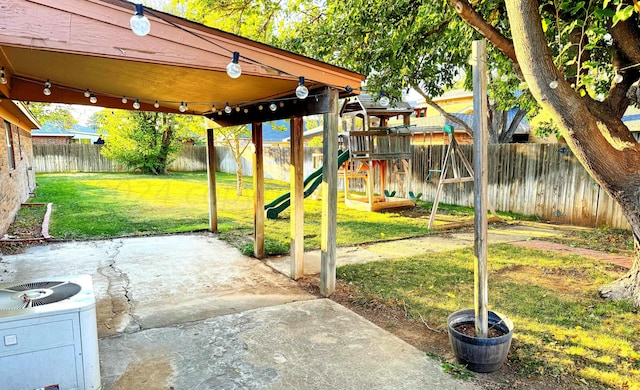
{"x": 72, "y": 158}
{"x": 544, "y": 180}
{"x": 87, "y": 158}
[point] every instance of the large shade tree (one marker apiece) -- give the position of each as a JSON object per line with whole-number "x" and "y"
{"x": 146, "y": 141}
{"x": 405, "y": 44}
{"x": 580, "y": 61}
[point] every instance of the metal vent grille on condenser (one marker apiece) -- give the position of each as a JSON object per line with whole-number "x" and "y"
{"x": 35, "y": 294}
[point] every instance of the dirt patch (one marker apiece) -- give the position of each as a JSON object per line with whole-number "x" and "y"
{"x": 622, "y": 258}
{"x": 25, "y": 231}
{"x": 561, "y": 280}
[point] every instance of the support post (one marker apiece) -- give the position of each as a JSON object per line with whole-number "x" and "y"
{"x": 480, "y": 138}
{"x": 296, "y": 183}
{"x": 211, "y": 173}
{"x": 258, "y": 191}
{"x": 329, "y": 197}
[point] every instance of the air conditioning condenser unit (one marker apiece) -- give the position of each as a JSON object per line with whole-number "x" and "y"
{"x": 48, "y": 335}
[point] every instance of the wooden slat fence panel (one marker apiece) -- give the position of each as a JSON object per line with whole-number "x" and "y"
{"x": 545, "y": 180}
{"x": 191, "y": 158}
{"x": 72, "y": 158}
{"x": 531, "y": 179}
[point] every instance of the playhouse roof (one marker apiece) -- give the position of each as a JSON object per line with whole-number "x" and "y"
{"x": 365, "y": 104}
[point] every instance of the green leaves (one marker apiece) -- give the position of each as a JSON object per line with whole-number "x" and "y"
{"x": 623, "y": 13}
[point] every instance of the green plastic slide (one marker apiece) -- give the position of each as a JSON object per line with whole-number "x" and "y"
{"x": 311, "y": 182}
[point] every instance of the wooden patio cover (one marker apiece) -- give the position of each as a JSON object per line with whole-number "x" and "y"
{"x": 87, "y": 47}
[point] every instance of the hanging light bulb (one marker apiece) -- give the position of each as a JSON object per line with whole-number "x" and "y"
{"x": 302, "y": 92}
{"x": 3, "y": 76}
{"x": 47, "y": 88}
{"x": 156, "y": 104}
{"x": 139, "y": 23}
{"x": 213, "y": 108}
{"x": 124, "y": 100}
{"x": 238, "y": 109}
{"x": 87, "y": 93}
{"x": 246, "y": 110}
{"x": 92, "y": 98}
{"x": 618, "y": 78}
{"x": 219, "y": 113}
{"x": 281, "y": 104}
{"x": 233, "y": 68}
{"x": 136, "y": 104}
{"x": 261, "y": 107}
{"x": 553, "y": 84}
{"x": 273, "y": 107}
{"x": 182, "y": 107}
{"x": 384, "y": 99}
{"x": 228, "y": 109}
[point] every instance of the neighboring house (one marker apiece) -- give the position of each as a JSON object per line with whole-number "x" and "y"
{"x": 429, "y": 122}
{"x": 17, "y": 178}
{"x": 631, "y": 118}
{"x": 51, "y": 134}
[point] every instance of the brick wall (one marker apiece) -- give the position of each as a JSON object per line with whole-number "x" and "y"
{"x": 17, "y": 183}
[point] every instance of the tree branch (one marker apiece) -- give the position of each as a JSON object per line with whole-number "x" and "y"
{"x": 506, "y": 136}
{"x": 447, "y": 115}
{"x": 475, "y": 20}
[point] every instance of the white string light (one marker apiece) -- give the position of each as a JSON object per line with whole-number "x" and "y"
{"x": 3, "y": 77}
{"x": 384, "y": 99}
{"x": 301, "y": 91}
{"x": 233, "y": 68}
{"x": 47, "y": 88}
{"x": 139, "y": 23}
{"x": 241, "y": 106}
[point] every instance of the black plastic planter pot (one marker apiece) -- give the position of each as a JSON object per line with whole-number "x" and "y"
{"x": 480, "y": 354}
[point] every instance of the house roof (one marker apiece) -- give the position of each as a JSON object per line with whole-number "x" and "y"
{"x": 49, "y": 129}
{"x": 18, "y": 113}
{"x": 441, "y": 121}
{"x": 81, "y": 45}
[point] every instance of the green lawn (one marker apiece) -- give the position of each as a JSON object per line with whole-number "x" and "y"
{"x": 562, "y": 327}
{"x": 108, "y": 205}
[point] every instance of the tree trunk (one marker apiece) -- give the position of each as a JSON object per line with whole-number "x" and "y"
{"x": 627, "y": 287}
{"x": 598, "y": 138}
{"x": 238, "y": 158}
{"x": 495, "y": 124}
{"x": 506, "y": 135}
{"x": 167, "y": 138}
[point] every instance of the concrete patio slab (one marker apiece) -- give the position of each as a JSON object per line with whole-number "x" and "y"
{"x": 303, "y": 345}
{"x": 190, "y": 312}
{"x": 147, "y": 282}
